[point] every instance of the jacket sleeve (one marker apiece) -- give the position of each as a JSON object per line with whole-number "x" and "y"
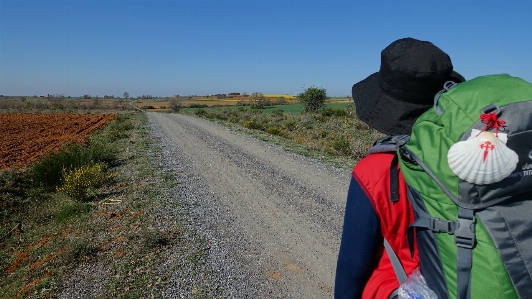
{"x": 361, "y": 237}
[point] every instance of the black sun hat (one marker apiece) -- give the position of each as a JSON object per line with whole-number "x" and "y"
{"x": 411, "y": 73}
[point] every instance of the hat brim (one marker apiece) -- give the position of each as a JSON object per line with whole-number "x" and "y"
{"x": 383, "y": 112}
{"x": 456, "y": 77}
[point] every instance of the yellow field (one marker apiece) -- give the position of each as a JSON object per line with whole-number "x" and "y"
{"x": 164, "y": 104}
{"x": 272, "y": 95}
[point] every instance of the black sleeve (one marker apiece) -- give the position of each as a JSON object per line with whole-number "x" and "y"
{"x": 360, "y": 240}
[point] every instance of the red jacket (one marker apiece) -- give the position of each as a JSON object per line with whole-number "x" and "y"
{"x": 373, "y": 175}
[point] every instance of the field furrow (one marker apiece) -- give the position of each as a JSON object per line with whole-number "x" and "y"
{"x": 25, "y": 137}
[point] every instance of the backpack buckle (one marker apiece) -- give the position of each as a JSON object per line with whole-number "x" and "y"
{"x": 406, "y": 156}
{"x": 464, "y": 235}
{"x": 440, "y": 225}
{"x": 400, "y": 140}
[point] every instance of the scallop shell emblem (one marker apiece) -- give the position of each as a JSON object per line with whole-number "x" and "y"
{"x": 482, "y": 159}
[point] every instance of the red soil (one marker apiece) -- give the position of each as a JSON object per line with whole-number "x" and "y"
{"x": 24, "y": 137}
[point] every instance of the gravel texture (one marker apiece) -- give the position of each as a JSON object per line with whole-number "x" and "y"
{"x": 271, "y": 220}
{"x": 260, "y": 222}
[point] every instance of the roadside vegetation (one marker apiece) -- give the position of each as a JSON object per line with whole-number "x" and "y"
{"x": 331, "y": 133}
{"x": 90, "y": 205}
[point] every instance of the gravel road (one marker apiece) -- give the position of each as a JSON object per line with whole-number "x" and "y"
{"x": 272, "y": 219}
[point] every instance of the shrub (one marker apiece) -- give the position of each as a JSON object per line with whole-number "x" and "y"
{"x": 253, "y": 124}
{"x": 78, "y": 182}
{"x": 278, "y": 112}
{"x": 321, "y": 118}
{"x": 342, "y": 145}
{"x": 14, "y": 193}
{"x": 198, "y": 106}
{"x": 291, "y": 125}
{"x": 47, "y": 172}
{"x": 313, "y": 98}
{"x": 82, "y": 249}
{"x": 274, "y": 130}
{"x": 329, "y": 111}
{"x": 309, "y": 124}
{"x": 201, "y": 112}
{"x": 175, "y": 104}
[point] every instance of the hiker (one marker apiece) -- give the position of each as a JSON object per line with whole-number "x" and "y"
{"x": 412, "y": 72}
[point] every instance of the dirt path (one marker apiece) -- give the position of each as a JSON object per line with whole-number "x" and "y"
{"x": 278, "y": 215}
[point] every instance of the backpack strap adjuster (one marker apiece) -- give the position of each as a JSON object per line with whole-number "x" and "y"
{"x": 400, "y": 140}
{"x": 464, "y": 238}
{"x": 464, "y": 235}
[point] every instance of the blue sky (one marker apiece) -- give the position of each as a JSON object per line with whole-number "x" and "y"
{"x": 204, "y": 47}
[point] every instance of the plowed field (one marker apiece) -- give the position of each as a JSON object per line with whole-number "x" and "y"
{"x": 24, "y": 138}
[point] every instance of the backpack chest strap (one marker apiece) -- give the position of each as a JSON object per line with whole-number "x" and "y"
{"x": 464, "y": 237}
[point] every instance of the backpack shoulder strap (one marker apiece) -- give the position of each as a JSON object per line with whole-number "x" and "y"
{"x": 396, "y": 264}
{"x": 391, "y": 144}
{"x": 463, "y": 229}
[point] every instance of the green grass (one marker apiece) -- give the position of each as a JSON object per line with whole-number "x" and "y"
{"x": 71, "y": 210}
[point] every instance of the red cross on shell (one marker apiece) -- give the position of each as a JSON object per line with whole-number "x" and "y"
{"x": 486, "y": 146}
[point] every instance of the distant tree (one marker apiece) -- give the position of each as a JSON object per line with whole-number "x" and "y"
{"x": 258, "y": 100}
{"x": 176, "y": 104}
{"x": 313, "y": 98}
{"x": 126, "y": 95}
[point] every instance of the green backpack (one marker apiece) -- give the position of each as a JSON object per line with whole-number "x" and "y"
{"x": 468, "y": 167}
